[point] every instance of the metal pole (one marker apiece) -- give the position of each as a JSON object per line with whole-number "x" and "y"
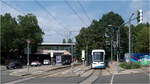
{"x": 72, "y": 60}
{"x": 117, "y": 52}
{"x": 86, "y": 53}
{"x": 130, "y": 36}
{"x": 111, "y": 51}
{"x": 28, "y": 57}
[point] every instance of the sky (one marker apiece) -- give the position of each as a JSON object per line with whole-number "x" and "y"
{"x": 60, "y": 19}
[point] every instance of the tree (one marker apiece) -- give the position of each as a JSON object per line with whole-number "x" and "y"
{"x": 94, "y": 35}
{"x": 29, "y": 29}
{"x": 69, "y": 40}
{"x": 64, "y": 41}
{"x": 15, "y": 32}
{"x": 142, "y": 38}
{"x": 8, "y": 33}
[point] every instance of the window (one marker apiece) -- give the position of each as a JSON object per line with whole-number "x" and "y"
{"x": 98, "y": 56}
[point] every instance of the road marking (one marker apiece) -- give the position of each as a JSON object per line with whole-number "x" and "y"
{"x": 112, "y": 79}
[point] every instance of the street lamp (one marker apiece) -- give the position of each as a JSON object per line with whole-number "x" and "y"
{"x": 111, "y": 44}
{"x": 116, "y": 44}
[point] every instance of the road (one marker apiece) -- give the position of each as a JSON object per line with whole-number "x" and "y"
{"x": 97, "y": 77}
{"x": 5, "y": 77}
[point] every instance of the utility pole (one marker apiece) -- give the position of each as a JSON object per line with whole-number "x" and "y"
{"x": 73, "y": 59}
{"x": 130, "y": 36}
{"x": 117, "y": 50}
{"x": 87, "y": 54}
{"x": 111, "y": 51}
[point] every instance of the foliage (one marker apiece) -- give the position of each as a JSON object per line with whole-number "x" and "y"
{"x": 69, "y": 40}
{"x": 64, "y": 41}
{"x": 15, "y": 32}
{"x": 94, "y": 35}
{"x": 131, "y": 65}
{"x": 142, "y": 39}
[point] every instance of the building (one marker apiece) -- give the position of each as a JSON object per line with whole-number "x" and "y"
{"x": 51, "y": 50}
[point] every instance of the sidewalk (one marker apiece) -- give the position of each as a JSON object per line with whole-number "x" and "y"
{"x": 113, "y": 69}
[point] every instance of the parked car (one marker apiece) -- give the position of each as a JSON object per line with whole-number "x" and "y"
{"x": 46, "y": 61}
{"x": 14, "y": 65}
{"x": 35, "y": 63}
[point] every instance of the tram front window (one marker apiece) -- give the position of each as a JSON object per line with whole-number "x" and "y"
{"x": 98, "y": 56}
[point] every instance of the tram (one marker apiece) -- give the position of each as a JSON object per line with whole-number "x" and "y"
{"x": 98, "y": 58}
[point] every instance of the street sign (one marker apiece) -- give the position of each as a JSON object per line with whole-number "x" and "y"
{"x": 26, "y": 50}
{"x": 83, "y": 54}
{"x": 28, "y": 41}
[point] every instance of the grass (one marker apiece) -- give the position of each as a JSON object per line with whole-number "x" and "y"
{"x": 131, "y": 65}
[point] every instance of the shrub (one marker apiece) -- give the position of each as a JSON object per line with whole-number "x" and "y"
{"x": 131, "y": 65}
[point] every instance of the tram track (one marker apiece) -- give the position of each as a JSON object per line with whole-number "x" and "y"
{"x": 93, "y": 77}
{"x": 50, "y": 72}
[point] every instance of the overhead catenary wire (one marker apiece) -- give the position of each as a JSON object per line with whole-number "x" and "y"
{"x": 84, "y": 10}
{"x": 68, "y": 4}
{"x": 21, "y": 12}
{"x": 50, "y": 14}
{"x": 10, "y": 6}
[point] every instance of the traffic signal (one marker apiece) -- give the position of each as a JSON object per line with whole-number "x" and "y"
{"x": 140, "y": 16}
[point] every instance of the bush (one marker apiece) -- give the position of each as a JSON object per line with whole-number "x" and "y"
{"x": 131, "y": 65}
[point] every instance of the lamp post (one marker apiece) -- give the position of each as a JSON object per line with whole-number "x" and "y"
{"x": 111, "y": 45}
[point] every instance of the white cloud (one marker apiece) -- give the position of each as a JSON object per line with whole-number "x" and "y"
{"x": 146, "y": 17}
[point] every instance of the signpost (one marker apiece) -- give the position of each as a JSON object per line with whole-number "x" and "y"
{"x": 28, "y": 50}
{"x": 83, "y": 56}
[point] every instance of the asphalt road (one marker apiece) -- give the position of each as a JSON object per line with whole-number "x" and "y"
{"x": 138, "y": 78}
{"x": 5, "y": 77}
{"x": 55, "y": 80}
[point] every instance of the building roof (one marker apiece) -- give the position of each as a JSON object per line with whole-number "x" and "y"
{"x": 57, "y": 44}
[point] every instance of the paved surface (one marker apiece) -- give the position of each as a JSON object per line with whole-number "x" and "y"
{"x": 5, "y": 77}
{"x": 53, "y": 80}
{"x": 99, "y": 76}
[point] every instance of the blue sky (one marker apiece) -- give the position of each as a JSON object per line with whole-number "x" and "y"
{"x": 64, "y": 19}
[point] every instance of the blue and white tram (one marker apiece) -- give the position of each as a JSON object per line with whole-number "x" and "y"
{"x": 98, "y": 58}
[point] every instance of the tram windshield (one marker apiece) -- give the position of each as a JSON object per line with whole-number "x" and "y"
{"x": 98, "y": 56}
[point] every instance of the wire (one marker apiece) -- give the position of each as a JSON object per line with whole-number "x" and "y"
{"x": 10, "y": 6}
{"x": 84, "y": 10}
{"x": 75, "y": 12}
{"x": 24, "y": 13}
{"x": 50, "y": 14}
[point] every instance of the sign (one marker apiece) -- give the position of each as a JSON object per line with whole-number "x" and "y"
{"x": 66, "y": 53}
{"x": 58, "y": 59}
{"x": 52, "y": 53}
{"x": 26, "y": 50}
{"x": 28, "y": 41}
{"x": 83, "y": 54}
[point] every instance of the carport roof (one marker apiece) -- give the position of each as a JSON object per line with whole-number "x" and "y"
{"x": 56, "y": 44}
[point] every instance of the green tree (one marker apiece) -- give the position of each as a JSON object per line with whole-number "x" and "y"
{"x": 142, "y": 39}
{"x": 69, "y": 40}
{"x": 94, "y": 35}
{"x": 15, "y": 32}
{"x": 29, "y": 29}
{"x": 64, "y": 41}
